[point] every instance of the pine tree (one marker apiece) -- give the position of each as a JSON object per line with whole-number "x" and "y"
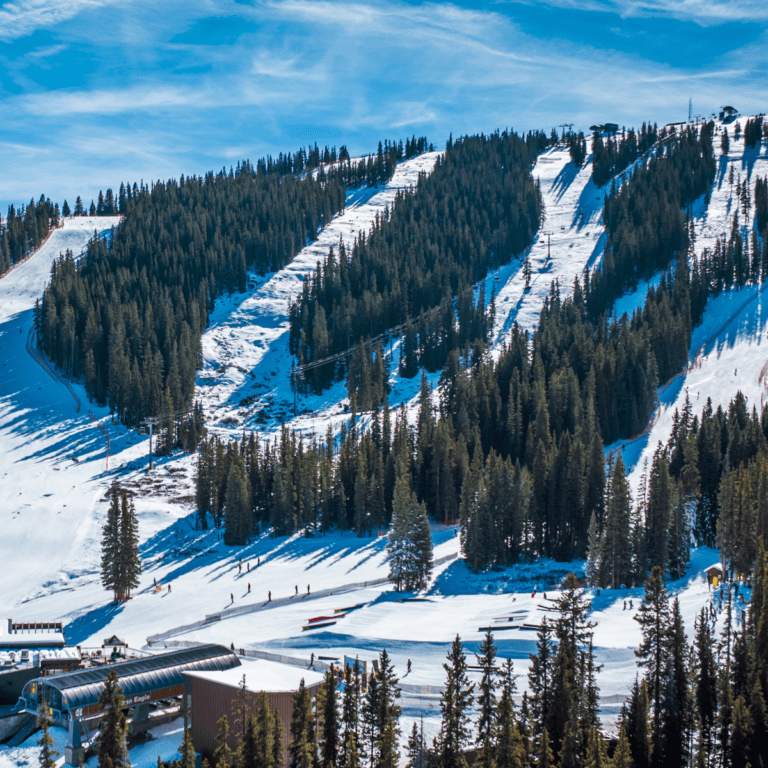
{"x": 658, "y": 511}
{"x": 302, "y": 750}
{"x": 112, "y": 751}
{"x": 237, "y": 504}
{"x": 509, "y": 750}
{"x": 277, "y": 757}
{"x": 672, "y": 743}
{"x": 110, "y": 546}
{"x": 409, "y": 545}
{"x": 546, "y": 757}
{"x": 327, "y": 706}
{"x": 187, "y": 751}
{"x": 705, "y": 685}
{"x": 48, "y": 755}
{"x": 486, "y": 701}
{"x": 369, "y": 723}
{"x": 130, "y": 560}
{"x": 622, "y": 757}
{"x": 636, "y": 724}
{"x": 741, "y": 735}
{"x": 350, "y": 753}
{"x": 455, "y": 703}
{"x": 415, "y": 750}
{"x": 540, "y": 683}
{"x": 222, "y": 755}
{"x": 653, "y": 617}
{"x": 616, "y": 551}
{"x": 387, "y": 716}
{"x": 350, "y": 709}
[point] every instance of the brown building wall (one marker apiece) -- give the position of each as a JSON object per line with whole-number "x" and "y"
{"x": 208, "y": 701}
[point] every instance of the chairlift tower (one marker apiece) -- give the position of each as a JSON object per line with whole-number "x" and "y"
{"x": 150, "y": 423}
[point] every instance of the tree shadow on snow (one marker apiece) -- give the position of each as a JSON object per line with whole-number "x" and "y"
{"x": 564, "y": 180}
{"x": 90, "y": 623}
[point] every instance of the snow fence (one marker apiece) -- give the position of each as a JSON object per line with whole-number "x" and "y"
{"x": 240, "y": 610}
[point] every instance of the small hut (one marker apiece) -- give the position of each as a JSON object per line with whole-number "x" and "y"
{"x": 715, "y": 574}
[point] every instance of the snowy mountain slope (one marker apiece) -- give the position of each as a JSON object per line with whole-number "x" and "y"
{"x": 51, "y": 531}
{"x": 245, "y": 349}
{"x": 51, "y": 452}
{"x": 571, "y": 239}
{"x": 729, "y": 349}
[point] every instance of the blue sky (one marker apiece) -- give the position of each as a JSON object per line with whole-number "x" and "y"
{"x": 93, "y": 92}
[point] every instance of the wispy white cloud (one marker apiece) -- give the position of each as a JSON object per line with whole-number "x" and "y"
{"x": 22, "y": 17}
{"x": 703, "y": 12}
{"x": 345, "y": 71}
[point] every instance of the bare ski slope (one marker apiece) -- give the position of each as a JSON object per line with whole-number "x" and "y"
{"x": 570, "y": 240}
{"x": 729, "y": 350}
{"x": 50, "y": 453}
{"x": 245, "y": 350}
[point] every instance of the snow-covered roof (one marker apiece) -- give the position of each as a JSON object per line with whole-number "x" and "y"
{"x": 19, "y": 639}
{"x": 262, "y": 675}
{"x": 715, "y": 567}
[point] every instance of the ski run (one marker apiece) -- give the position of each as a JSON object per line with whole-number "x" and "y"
{"x": 54, "y": 473}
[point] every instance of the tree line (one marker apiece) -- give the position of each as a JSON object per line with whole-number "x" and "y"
{"x": 693, "y": 703}
{"x": 24, "y": 229}
{"x": 613, "y": 154}
{"x": 128, "y": 319}
{"x": 477, "y": 208}
{"x": 644, "y": 217}
{"x": 514, "y": 448}
{"x": 370, "y": 170}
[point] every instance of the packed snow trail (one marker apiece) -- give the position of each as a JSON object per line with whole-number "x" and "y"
{"x": 570, "y": 240}
{"x": 51, "y": 453}
{"x": 729, "y": 350}
{"x": 245, "y": 350}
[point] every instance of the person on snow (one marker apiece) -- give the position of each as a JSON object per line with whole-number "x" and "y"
{"x": 231, "y": 598}
{"x": 169, "y": 589}
{"x": 307, "y": 588}
{"x": 297, "y": 589}
{"x": 409, "y": 666}
{"x": 249, "y": 587}
{"x": 269, "y": 598}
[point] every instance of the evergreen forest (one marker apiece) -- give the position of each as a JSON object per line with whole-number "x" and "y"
{"x": 477, "y": 209}
{"x": 23, "y": 230}
{"x": 695, "y": 701}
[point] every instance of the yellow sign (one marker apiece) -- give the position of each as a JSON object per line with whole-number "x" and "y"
{"x": 714, "y": 581}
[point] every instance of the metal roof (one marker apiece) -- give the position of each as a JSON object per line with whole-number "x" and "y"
{"x": 82, "y": 688}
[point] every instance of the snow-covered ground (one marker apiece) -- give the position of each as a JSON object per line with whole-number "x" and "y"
{"x": 53, "y": 475}
{"x": 245, "y": 380}
{"x": 51, "y": 453}
{"x": 729, "y": 350}
{"x": 570, "y": 240}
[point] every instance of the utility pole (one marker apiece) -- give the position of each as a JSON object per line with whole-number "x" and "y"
{"x": 690, "y": 111}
